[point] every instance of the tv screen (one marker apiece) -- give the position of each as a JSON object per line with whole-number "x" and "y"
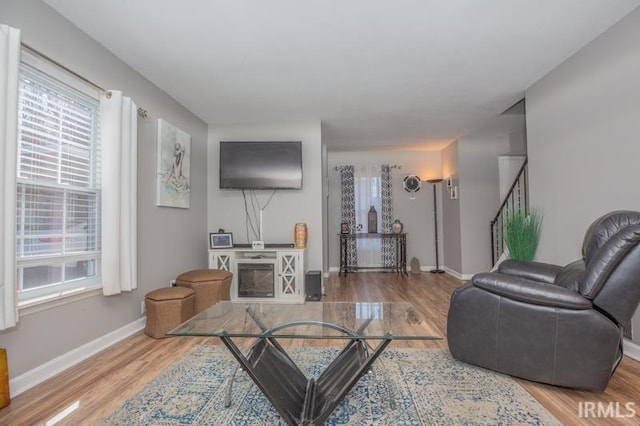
{"x": 260, "y": 165}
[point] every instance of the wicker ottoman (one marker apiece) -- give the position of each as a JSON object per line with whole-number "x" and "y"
{"x": 210, "y": 285}
{"x": 167, "y": 308}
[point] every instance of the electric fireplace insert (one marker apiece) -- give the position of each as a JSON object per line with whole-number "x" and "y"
{"x": 256, "y": 279}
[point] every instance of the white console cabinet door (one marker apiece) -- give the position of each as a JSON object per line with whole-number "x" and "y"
{"x": 222, "y": 260}
{"x": 290, "y": 278}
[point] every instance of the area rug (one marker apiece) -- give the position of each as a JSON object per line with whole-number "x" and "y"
{"x": 405, "y": 387}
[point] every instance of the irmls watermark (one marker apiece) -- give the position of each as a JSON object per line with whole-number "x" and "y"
{"x": 606, "y": 409}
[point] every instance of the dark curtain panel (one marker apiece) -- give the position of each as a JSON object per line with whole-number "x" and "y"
{"x": 348, "y": 215}
{"x": 386, "y": 196}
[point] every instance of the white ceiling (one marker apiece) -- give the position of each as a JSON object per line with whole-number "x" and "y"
{"x": 378, "y": 73}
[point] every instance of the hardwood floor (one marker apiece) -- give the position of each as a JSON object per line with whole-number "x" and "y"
{"x": 103, "y": 382}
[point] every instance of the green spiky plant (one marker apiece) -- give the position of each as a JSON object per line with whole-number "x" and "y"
{"x": 522, "y": 233}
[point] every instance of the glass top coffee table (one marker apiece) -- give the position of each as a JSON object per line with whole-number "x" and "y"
{"x": 299, "y": 400}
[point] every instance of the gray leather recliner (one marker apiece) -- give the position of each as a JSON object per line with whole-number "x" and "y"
{"x": 554, "y": 324}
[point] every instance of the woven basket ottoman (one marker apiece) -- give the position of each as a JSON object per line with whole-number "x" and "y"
{"x": 167, "y": 308}
{"x": 210, "y": 285}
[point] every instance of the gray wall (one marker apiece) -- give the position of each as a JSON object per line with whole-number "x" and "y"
{"x": 170, "y": 241}
{"x": 325, "y": 211}
{"x": 416, "y": 215}
{"x": 288, "y": 207}
{"x": 518, "y": 140}
{"x": 472, "y": 161}
{"x": 518, "y": 125}
{"x": 451, "y": 243}
{"x": 583, "y": 125}
{"x": 479, "y": 197}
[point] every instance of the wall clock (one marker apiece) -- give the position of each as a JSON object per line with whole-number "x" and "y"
{"x": 411, "y": 184}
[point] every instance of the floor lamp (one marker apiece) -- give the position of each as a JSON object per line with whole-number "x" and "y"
{"x": 435, "y": 223}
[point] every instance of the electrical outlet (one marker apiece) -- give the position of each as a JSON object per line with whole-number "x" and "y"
{"x": 143, "y": 308}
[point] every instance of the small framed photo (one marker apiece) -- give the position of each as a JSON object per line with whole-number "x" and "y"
{"x": 448, "y": 182}
{"x": 344, "y": 228}
{"x": 220, "y": 240}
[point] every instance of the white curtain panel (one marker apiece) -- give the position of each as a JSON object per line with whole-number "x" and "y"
{"x": 367, "y": 192}
{"x": 9, "y": 65}
{"x": 119, "y": 130}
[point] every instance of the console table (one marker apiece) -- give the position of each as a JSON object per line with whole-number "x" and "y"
{"x": 400, "y": 241}
{"x": 301, "y": 400}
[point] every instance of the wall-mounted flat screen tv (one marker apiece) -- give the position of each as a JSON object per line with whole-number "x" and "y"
{"x": 260, "y": 165}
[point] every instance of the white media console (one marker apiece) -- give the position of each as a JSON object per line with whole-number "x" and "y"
{"x": 263, "y": 275}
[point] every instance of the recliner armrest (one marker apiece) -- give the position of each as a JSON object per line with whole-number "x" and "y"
{"x": 528, "y": 291}
{"x": 536, "y": 271}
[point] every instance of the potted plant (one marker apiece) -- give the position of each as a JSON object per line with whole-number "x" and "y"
{"x": 522, "y": 233}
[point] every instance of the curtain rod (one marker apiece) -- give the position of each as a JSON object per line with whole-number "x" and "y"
{"x": 142, "y": 113}
{"x": 395, "y": 166}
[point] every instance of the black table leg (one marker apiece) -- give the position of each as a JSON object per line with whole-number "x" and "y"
{"x": 301, "y": 401}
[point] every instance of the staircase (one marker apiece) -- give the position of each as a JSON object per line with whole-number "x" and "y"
{"x": 516, "y": 198}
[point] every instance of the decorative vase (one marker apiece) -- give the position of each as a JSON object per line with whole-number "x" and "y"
{"x": 397, "y": 226}
{"x": 373, "y": 221}
{"x": 300, "y": 235}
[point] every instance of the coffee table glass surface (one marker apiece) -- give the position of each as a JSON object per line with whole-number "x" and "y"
{"x": 312, "y": 320}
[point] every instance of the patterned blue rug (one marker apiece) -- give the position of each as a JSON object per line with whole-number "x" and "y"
{"x": 427, "y": 387}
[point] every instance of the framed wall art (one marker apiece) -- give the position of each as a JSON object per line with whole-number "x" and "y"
{"x": 173, "y": 166}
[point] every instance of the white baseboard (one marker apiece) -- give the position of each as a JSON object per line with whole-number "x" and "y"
{"x": 368, "y": 269}
{"x": 463, "y": 277}
{"x": 632, "y": 350}
{"x": 337, "y": 269}
{"x": 449, "y": 271}
{"x": 57, "y": 365}
{"x": 423, "y": 268}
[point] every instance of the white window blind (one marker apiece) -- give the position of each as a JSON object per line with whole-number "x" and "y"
{"x": 58, "y": 188}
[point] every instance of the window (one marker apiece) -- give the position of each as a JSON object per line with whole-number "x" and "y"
{"x": 58, "y": 185}
{"x": 367, "y": 194}
{"x": 367, "y": 188}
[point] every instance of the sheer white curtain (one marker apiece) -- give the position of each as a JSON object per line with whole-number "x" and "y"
{"x": 119, "y": 124}
{"x": 9, "y": 64}
{"x": 367, "y": 194}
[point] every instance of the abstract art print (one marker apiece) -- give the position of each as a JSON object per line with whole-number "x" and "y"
{"x": 174, "y": 166}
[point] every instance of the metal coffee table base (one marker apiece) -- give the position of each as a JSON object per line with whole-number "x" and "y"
{"x": 302, "y": 401}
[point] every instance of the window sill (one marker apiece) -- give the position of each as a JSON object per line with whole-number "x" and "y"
{"x": 43, "y": 303}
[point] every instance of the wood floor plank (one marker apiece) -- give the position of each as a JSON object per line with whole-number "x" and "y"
{"x": 103, "y": 382}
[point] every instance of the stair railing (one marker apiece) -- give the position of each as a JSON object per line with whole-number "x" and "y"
{"x": 516, "y": 198}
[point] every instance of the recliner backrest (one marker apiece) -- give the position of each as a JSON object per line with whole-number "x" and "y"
{"x": 611, "y": 252}
{"x": 620, "y": 295}
{"x": 603, "y": 228}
